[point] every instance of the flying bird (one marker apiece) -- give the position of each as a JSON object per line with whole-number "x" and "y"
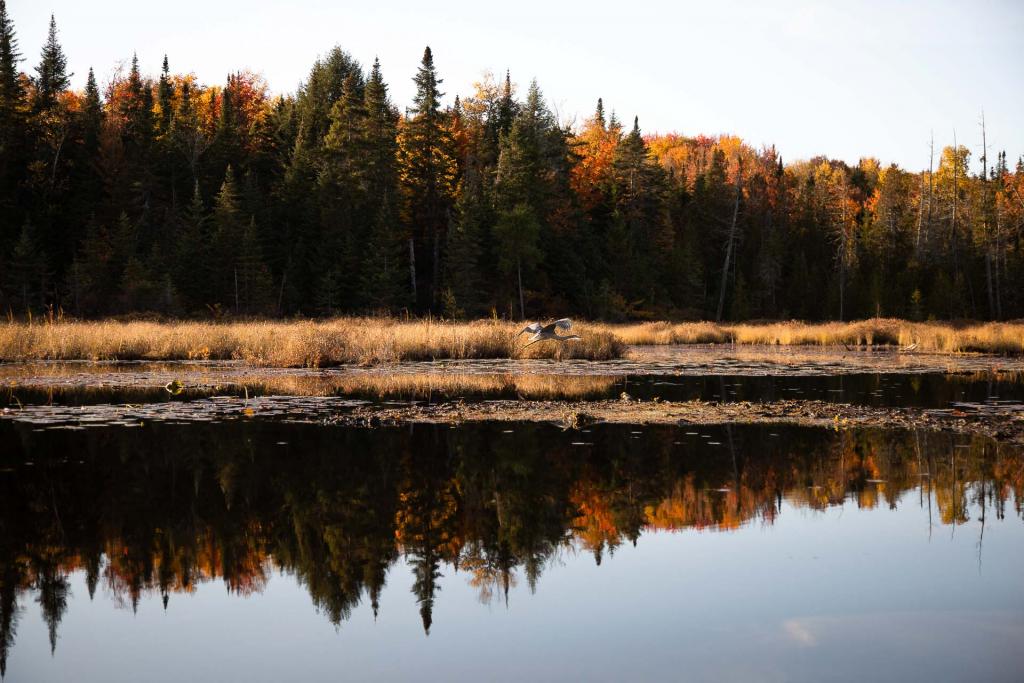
{"x": 548, "y": 332}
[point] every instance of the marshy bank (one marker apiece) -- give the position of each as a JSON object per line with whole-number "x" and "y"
{"x": 375, "y": 341}
{"x": 928, "y": 337}
{"x": 366, "y": 341}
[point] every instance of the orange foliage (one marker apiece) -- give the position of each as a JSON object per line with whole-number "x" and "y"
{"x": 596, "y": 146}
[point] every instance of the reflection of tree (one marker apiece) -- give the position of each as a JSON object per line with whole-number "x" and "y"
{"x": 10, "y": 577}
{"x": 425, "y": 522}
{"x": 53, "y": 590}
{"x": 159, "y": 510}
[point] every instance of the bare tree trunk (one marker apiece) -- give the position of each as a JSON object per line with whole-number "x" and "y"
{"x": 931, "y": 186}
{"x": 842, "y": 283}
{"x": 519, "y": 275}
{"x": 280, "y": 294}
{"x": 920, "y": 216}
{"x": 412, "y": 269}
{"x": 956, "y": 192}
{"x": 985, "y": 217}
{"x": 236, "y": 291}
{"x": 728, "y": 249}
{"x": 999, "y": 251}
{"x": 988, "y": 282}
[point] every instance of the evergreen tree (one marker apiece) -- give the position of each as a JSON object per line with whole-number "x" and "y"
{"x": 193, "y": 271}
{"x": 12, "y": 130}
{"x": 53, "y": 78}
{"x": 464, "y": 249}
{"x": 165, "y": 95}
{"x": 429, "y": 176}
{"x": 638, "y": 188}
{"x": 382, "y": 276}
{"x": 92, "y": 116}
{"x": 254, "y": 283}
{"x": 227, "y": 234}
{"x": 26, "y": 277}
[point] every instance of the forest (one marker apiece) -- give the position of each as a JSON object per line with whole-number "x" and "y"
{"x": 165, "y": 196}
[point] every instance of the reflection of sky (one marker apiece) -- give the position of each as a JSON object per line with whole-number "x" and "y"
{"x": 836, "y": 595}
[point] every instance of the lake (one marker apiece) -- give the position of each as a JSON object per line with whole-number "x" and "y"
{"x": 267, "y": 550}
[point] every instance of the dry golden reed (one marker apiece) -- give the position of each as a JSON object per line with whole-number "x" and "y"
{"x": 426, "y": 385}
{"x": 934, "y": 337}
{"x": 365, "y": 341}
{"x": 371, "y": 341}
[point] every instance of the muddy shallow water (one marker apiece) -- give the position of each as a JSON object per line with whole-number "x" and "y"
{"x": 707, "y": 373}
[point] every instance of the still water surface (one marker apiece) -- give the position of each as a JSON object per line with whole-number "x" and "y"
{"x": 268, "y": 551}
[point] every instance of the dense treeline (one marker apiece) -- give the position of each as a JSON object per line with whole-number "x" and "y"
{"x": 170, "y": 196}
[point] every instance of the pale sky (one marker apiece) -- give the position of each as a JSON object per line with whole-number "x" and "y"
{"x": 844, "y": 79}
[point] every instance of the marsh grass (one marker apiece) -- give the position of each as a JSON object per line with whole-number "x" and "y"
{"x": 933, "y": 337}
{"x": 438, "y": 385}
{"x": 429, "y": 386}
{"x": 374, "y": 341}
{"x": 366, "y": 341}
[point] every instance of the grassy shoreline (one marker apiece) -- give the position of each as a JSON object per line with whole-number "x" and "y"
{"x": 366, "y": 341}
{"x": 371, "y": 341}
{"x": 927, "y": 337}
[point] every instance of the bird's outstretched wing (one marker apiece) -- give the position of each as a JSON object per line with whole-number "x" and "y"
{"x": 532, "y": 328}
{"x": 560, "y": 324}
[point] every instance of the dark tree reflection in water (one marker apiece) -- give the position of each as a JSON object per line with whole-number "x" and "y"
{"x": 162, "y": 508}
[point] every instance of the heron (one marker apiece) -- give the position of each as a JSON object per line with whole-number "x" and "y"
{"x": 549, "y": 332}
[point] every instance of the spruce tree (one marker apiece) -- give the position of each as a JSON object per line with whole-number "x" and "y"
{"x": 226, "y": 237}
{"x": 345, "y": 214}
{"x": 12, "y": 130}
{"x": 26, "y": 277}
{"x": 382, "y": 272}
{"x": 90, "y": 280}
{"x": 429, "y": 175}
{"x": 53, "y": 78}
{"x": 462, "y": 263}
{"x": 165, "y": 96}
{"x": 521, "y": 187}
{"x": 253, "y": 276}
{"x": 640, "y": 207}
{"x": 193, "y": 270}
{"x": 92, "y": 114}
{"x": 380, "y": 136}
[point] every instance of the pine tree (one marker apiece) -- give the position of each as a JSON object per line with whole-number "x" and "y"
{"x": 92, "y": 115}
{"x": 506, "y": 109}
{"x": 639, "y": 191}
{"x": 53, "y": 78}
{"x": 344, "y": 203}
{"x": 429, "y": 175}
{"x": 165, "y": 96}
{"x": 12, "y": 93}
{"x": 12, "y": 130}
{"x": 253, "y": 276}
{"x": 90, "y": 278}
{"x": 139, "y": 289}
{"x": 26, "y": 276}
{"x": 382, "y": 271}
{"x": 381, "y": 275}
{"x": 472, "y": 211}
{"x": 380, "y": 136}
{"x": 226, "y": 237}
{"x": 193, "y": 270}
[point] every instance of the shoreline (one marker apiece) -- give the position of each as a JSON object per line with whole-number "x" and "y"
{"x": 379, "y": 341}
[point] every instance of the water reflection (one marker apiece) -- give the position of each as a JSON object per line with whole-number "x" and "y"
{"x": 163, "y": 508}
{"x": 126, "y": 385}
